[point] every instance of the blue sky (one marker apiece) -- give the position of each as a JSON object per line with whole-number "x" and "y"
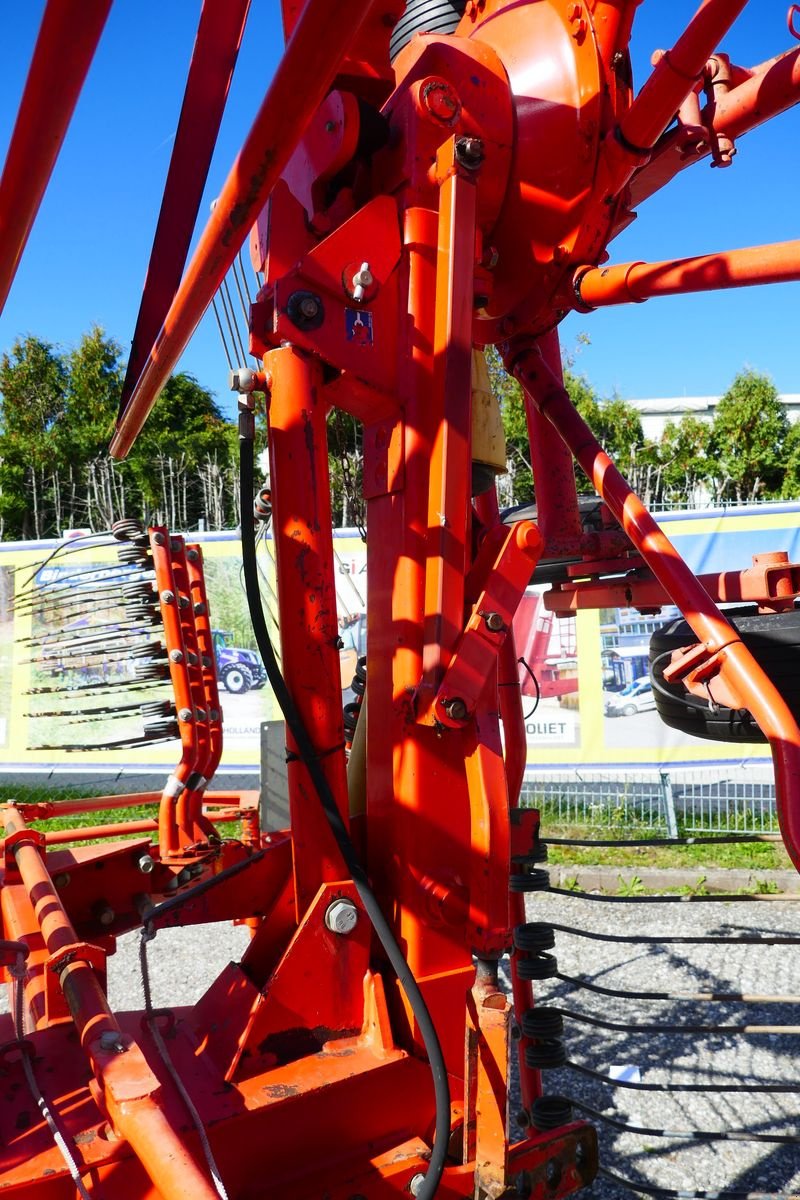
{"x": 87, "y": 255}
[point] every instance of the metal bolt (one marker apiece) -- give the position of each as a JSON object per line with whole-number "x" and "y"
{"x": 176, "y": 656}
{"x": 200, "y": 609}
{"x": 553, "y": 1172}
{"x": 145, "y": 864}
{"x": 201, "y": 714}
{"x": 214, "y": 714}
{"x": 112, "y": 1043}
{"x": 245, "y": 381}
{"x": 191, "y": 659}
{"x": 469, "y": 152}
{"x": 104, "y": 914}
{"x": 304, "y": 309}
{"x": 362, "y": 280}
{"x": 205, "y": 660}
{"x": 185, "y": 714}
{"x": 183, "y": 601}
{"x": 159, "y": 539}
{"x": 494, "y": 622}
{"x": 62, "y": 880}
{"x": 175, "y": 545}
{"x": 192, "y": 555}
{"x": 456, "y": 709}
{"x": 167, "y": 597}
{"x": 415, "y": 1186}
{"x": 341, "y": 916}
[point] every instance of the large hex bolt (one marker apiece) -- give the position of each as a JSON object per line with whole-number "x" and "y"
{"x": 341, "y": 916}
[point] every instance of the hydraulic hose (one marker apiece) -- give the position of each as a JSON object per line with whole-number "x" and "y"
{"x": 308, "y": 755}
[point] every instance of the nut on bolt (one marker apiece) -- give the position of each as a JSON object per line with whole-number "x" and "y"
{"x": 415, "y": 1183}
{"x": 494, "y": 622}
{"x": 456, "y": 709}
{"x": 469, "y": 152}
{"x": 112, "y": 1042}
{"x": 305, "y": 310}
{"x": 185, "y": 714}
{"x": 341, "y": 916}
{"x": 167, "y": 597}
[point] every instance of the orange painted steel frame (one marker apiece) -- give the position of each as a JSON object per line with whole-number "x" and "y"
{"x": 480, "y": 180}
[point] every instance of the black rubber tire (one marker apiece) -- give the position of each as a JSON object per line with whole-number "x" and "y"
{"x": 537, "y": 967}
{"x": 534, "y": 937}
{"x": 774, "y": 641}
{"x": 542, "y": 1023}
{"x": 237, "y": 679}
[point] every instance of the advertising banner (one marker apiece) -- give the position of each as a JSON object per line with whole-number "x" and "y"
{"x": 587, "y": 698}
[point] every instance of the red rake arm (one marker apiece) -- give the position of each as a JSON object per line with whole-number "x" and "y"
{"x": 41, "y": 124}
{"x": 317, "y": 46}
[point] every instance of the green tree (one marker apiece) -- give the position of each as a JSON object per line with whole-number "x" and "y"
{"x": 791, "y": 458}
{"x": 615, "y": 424}
{"x": 183, "y": 458}
{"x": 684, "y": 454}
{"x": 749, "y": 432}
{"x": 33, "y": 385}
{"x": 57, "y": 416}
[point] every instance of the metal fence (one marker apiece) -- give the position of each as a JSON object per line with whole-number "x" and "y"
{"x": 722, "y": 800}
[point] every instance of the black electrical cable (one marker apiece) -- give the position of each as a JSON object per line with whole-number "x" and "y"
{"x": 308, "y": 753}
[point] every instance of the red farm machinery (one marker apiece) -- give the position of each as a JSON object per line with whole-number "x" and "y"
{"x": 421, "y": 181}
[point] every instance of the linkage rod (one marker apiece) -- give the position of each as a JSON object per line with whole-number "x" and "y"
{"x": 676, "y": 74}
{"x": 54, "y": 82}
{"x": 736, "y": 664}
{"x": 773, "y": 87}
{"x": 636, "y": 282}
{"x": 317, "y": 46}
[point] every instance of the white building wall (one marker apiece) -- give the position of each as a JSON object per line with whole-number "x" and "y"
{"x": 655, "y": 413}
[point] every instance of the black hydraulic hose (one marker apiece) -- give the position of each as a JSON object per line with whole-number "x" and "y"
{"x": 308, "y": 754}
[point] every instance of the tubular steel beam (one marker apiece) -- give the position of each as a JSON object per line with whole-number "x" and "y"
{"x": 676, "y": 73}
{"x": 773, "y": 87}
{"x": 317, "y": 46}
{"x": 130, "y": 1091}
{"x": 219, "y": 35}
{"x": 633, "y": 283}
{"x": 61, "y": 60}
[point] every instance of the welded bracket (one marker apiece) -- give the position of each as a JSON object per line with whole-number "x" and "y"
{"x": 501, "y": 572}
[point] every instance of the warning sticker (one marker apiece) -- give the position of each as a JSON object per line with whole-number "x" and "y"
{"x": 358, "y": 324}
